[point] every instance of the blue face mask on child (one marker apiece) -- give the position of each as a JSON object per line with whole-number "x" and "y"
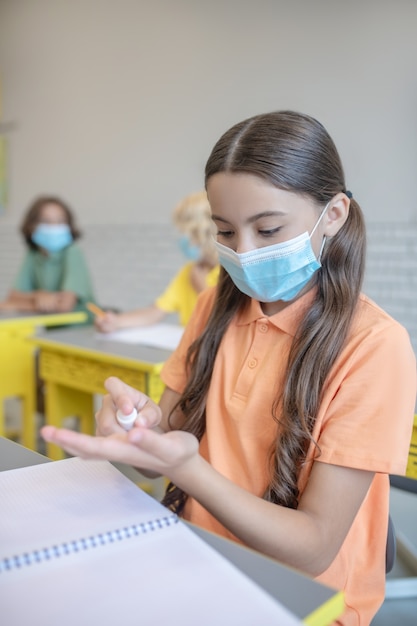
{"x": 189, "y": 250}
{"x": 272, "y": 273}
{"x": 52, "y": 237}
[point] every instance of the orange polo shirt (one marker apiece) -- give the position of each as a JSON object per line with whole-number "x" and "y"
{"x": 364, "y": 422}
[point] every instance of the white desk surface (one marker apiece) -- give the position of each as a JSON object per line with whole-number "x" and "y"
{"x": 85, "y": 337}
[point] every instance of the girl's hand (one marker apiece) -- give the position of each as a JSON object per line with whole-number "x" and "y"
{"x": 8, "y": 306}
{"x": 125, "y": 398}
{"x": 146, "y": 446}
{"x": 173, "y": 454}
{"x": 46, "y": 301}
{"x": 107, "y": 323}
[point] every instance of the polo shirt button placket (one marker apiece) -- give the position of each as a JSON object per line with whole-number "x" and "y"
{"x": 263, "y": 326}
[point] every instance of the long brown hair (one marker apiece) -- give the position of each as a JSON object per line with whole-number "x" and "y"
{"x": 293, "y": 152}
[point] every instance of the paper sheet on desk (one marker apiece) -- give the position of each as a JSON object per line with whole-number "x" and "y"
{"x": 112, "y": 558}
{"x": 165, "y": 336}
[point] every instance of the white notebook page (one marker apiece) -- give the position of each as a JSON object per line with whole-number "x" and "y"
{"x": 165, "y": 576}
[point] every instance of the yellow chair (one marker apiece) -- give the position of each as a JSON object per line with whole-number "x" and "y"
{"x": 17, "y": 379}
{"x": 17, "y": 366}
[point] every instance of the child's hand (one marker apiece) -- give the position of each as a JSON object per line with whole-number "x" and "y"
{"x": 8, "y": 306}
{"x": 173, "y": 454}
{"x": 146, "y": 446}
{"x": 125, "y": 398}
{"x": 107, "y": 323}
{"x": 46, "y": 301}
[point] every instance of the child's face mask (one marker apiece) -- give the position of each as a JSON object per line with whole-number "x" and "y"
{"x": 52, "y": 237}
{"x": 189, "y": 250}
{"x": 272, "y": 273}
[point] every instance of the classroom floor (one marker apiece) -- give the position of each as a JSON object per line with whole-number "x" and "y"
{"x": 403, "y": 507}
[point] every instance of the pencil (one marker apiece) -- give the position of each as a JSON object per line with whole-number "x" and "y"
{"x": 93, "y": 308}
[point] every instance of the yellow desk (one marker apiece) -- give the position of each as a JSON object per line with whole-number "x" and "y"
{"x": 17, "y": 366}
{"x": 411, "y": 471}
{"x": 311, "y": 602}
{"x": 406, "y": 586}
{"x": 74, "y": 363}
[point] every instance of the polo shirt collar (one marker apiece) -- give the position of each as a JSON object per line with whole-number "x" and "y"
{"x": 287, "y": 320}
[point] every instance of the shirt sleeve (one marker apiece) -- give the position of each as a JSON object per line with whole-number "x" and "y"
{"x": 24, "y": 278}
{"x": 368, "y": 414}
{"x": 76, "y": 276}
{"x": 170, "y": 300}
{"x": 213, "y": 276}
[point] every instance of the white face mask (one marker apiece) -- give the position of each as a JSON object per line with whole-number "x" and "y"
{"x": 272, "y": 273}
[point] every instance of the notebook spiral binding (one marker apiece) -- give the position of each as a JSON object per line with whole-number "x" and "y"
{"x": 78, "y": 545}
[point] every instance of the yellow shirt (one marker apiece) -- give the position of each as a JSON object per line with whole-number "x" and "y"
{"x": 180, "y": 296}
{"x": 365, "y": 421}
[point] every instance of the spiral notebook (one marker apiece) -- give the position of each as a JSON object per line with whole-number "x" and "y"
{"x": 81, "y": 544}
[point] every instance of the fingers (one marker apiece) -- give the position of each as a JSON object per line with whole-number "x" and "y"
{"x": 113, "y": 448}
{"x": 106, "y": 423}
{"x": 170, "y": 454}
{"x": 106, "y": 323}
{"x": 126, "y": 399}
{"x": 98, "y": 324}
{"x": 171, "y": 449}
{"x": 46, "y": 301}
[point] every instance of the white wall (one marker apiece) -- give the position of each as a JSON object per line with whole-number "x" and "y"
{"x": 117, "y": 103}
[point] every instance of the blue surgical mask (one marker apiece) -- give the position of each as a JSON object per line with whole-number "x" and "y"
{"x": 189, "y": 250}
{"x": 52, "y": 237}
{"x": 272, "y": 273}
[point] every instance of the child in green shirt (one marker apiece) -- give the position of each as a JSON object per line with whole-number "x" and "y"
{"x": 54, "y": 276}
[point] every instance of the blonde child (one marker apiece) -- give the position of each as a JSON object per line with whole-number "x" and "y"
{"x": 290, "y": 398}
{"x": 192, "y": 218}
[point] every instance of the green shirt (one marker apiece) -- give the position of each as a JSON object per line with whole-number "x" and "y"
{"x": 65, "y": 270}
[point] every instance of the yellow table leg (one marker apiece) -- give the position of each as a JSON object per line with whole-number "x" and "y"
{"x": 62, "y": 402}
{"x": 29, "y": 426}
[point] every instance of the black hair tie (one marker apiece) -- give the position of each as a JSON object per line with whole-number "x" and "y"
{"x": 348, "y": 193}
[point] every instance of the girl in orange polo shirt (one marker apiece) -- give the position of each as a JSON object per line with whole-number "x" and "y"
{"x": 290, "y": 398}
